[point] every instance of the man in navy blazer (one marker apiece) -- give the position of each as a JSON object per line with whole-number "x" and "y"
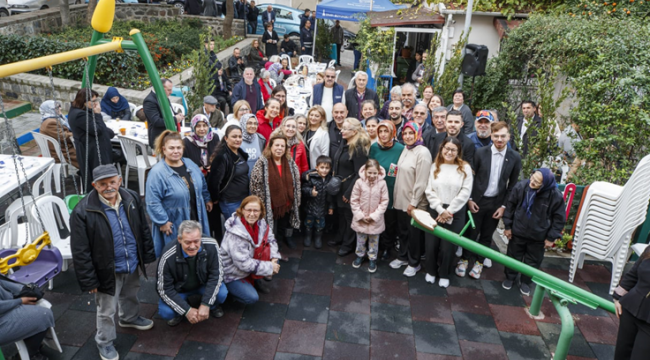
{"x": 328, "y": 93}
{"x": 268, "y": 16}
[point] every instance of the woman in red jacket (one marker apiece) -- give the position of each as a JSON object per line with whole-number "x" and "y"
{"x": 289, "y": 128}
{"x": 269, "y": 118}
{"x": 265, "y": 84}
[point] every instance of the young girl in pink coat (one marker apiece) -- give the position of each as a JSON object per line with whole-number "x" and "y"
{"x": 369, "y": 201}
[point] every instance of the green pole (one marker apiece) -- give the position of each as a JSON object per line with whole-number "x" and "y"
{"x": 550, "y": 282}
{"x": 168, "y": 116}
{"x": 92, "y": 61}
{"x": 125, "y": 44}
{"x": 538, "y": 297}
{"x": 566, "y": 334}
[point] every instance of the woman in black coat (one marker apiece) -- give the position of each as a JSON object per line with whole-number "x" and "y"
{"x": 270, "y": 40}
{"x": 349, "y": 158}
{"x": 94, "y": 134}
{"x": 201, "y": 142}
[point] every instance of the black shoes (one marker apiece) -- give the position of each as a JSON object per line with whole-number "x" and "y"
{"x": 318, "y": 239}
{"x": 217, "y": 313}
{"x": 306, "y": 241}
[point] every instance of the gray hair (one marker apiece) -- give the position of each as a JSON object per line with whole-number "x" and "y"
{"x": 265, "y": 74}
{"x": 421, "y": 105}
{"x": 397, "y": 90}
{"x": 274, "y": 59}
{"x": 361, "y": 73}
{"x": 249, "y": 68}
{"x": 410, "y": 86}
{"x": 189, "y": 226}
{"x": 439, "y": 109}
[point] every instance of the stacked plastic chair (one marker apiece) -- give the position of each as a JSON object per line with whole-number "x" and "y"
{"x": 609, "y": 216}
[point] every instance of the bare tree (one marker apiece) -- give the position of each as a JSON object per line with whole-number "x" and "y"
{"x": 227, "y": 23}
{"x": 65, "y": 13}
{"x": 91, "y": 10}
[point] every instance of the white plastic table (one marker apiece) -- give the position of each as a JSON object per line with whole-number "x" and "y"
{"x": 135, "y": 130}
{"x": 33, "y": 166}
{"x": 297, "y": 98}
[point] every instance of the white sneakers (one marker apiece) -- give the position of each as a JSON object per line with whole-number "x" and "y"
{"x": 397, "y": 263}
{"x": 430, "y": 279}
{"x": 476, "y": 270}
{"x": 461, "y": 269}
{"x": 487, "y": 263}
{"x": 443, "y": 283}
{"x": 411, "y": 271}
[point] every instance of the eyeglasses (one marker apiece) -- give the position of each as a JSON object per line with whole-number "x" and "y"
{"x": 252, "y": 211}
{"x": 450, "y": 150}
{"x": 244, "y": 109}
{"x": 419, "y": 113}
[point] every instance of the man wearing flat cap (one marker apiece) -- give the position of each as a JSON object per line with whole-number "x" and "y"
{"x": 210, "y": 110}
{"x": 110, "y": 241}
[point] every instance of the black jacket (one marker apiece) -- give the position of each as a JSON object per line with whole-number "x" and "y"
{"x": 316, "y": 206}
{"x": 306, "y": 38}
{"x": 193, "y": 7}
{"x": 637, "y": 283}
{"x": 433, "y": 141}
{"x": 335, "y": 137}
{"x": 222, "y": 170}
{"x": 91, "y": 240}
{"x": 352, "y": 104}
{"x": 217, "y": 86}
{"x": 193, "y": 152}
{"x": 270, "y": 48}
{"x": 547, "y": 219}
{"x": 236, "y": 70}
{"x": 241, "y": 9}
{"x": 531, "y": 132}
{"x": 172, "y": 274}
{"x": 155, "y": 120}
{"x": 347, "y": 168}
{"x": 288, "y": 47}
{"x": 95, "y": 133}
{"x": 507, "y": 180}
{"x": 251, "y": 13}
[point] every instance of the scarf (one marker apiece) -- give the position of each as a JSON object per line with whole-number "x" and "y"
{"x": 261, "y": 252}
{"x": 548, "y": 183}
{"x": 267, "y": 86}
{"x": 292, "y": 141}
{"x": 242, "y": 123}
{"x": 48, "y": 111}
{"x": 201, "y": 142}
{"x": 110, "y": 107}
{"x": 253, "y": 231}
{"x": 418, "y": 134}
{"x": 392, "y": 130}
{"x": 281, "y": 188}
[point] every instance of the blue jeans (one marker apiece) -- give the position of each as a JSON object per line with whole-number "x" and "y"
{"x": 167, "y": 313}
{"x": 318, "y": 222}
{"x": 357, "y": 59}
{"x": 243, "y": 291}
{"x": 227, "y": 209}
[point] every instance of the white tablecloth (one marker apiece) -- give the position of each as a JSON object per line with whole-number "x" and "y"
{"x": 315, "y": 68}
{"x": 135, "y": 130}
{"x": 33, "y": 166}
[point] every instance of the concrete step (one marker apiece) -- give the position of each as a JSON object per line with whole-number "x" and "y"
{"x": 15, "y": 108}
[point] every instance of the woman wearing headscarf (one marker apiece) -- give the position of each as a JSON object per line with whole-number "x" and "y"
{"x": 387, "y": 152}
{"x": 414, "y": 165}
{"x": 201, "y": 142}
{"x": 115, "y": 105}
{"x": 252, "y": 142}
{"x": 56, "y": 126}
{"x": 534, "y": 219}
{"x": 275, "y": 179}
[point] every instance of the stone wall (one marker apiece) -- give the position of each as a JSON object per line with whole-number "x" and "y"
{"x": 49, "y": 20}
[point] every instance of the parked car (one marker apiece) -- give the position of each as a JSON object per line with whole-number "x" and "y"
{"x": 4, "y": 8}
{"x": 23, "y": 6}
{"x": 287, "y": 21}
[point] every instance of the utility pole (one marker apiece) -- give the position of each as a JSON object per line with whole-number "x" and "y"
{"x": 468, "y": 21}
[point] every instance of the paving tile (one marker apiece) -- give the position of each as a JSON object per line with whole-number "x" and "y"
{"x": 292, "y": 253}
{"x": 431, "y": 308}
{"x": 67, "y": 354}
{"x": 479, "y": 350}
{"x": 386, "y": 272}
{"x": 494, "y": 273}
{"x": 464, "y": 282}
{"x": 513, "y": 319}
{"x": 557, "y": 263}
{"x": 595, "y": 273}
{"x": 75, "y": 327}
{"x": 573, "y": 357}
{"x": 261, "y": 316}
{"x": 524, "y": 347}
{"x": 160, "y": 340}
{"x": 314, "y": 282}
{"x": 600, "y": 289}
{"x": 335, "y": 350}
{"x": 418, "y": 286}
{"x": 66, "y": 282}
{"x": 602, "y": 351}
{"x": 302, "y": 338}
{"x": 216, "y": 331}
{"x": 350, "y": 299}
{"x": 263, "y": 349}
{"x": 318, "y": 261}
{"x": 579, "y": 347}
{"x": 148, "y": 293}
{"x": 143, "y": 356}
{"x": 288, "y": 356}
{"x": 308, "y": 307}
{"x": 547, "y": 309}
{"x": 349, "y": 258}
{"x": 84, "y": 302}
{"x": 350, "y": 277}
{"x": 288, "y": 269}
{"x": 391, "y": 318}
{"x": 151, "y": 269}
{"x": 281, "y": 290}
{"x": 348, "y": 327}
{"x": 467, "y": 300}
{"x": 390, "y": 291}
{"x": 496, "y": 294}
{"x": 436, "y": 338}
{"x": 191, "y": 350}
{"x": 391, "y": 346}
{"x": 122, "y": 344}
{"x": 597, "y": 329}
{"x": 60, "y": 302}
{"x": 146, "y": 310}
{"x": 480, "y": 328}
{"x": 425, "y": 356}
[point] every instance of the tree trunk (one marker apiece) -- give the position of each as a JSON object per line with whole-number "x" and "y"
{"x": 65, "y": 13}
{"x": 91, "y": 9}
{"x": 227, "y": 23}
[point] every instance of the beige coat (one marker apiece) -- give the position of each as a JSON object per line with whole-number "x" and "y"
{"x": 413, "y": 169}
{"x": 49, "y": 128}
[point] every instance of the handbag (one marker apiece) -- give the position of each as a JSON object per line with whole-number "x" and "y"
{"x": 262, "y": 252}
{"x": 333, "y": 187}
{"x": 29, "y": 290}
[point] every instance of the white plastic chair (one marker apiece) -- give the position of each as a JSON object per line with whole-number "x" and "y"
{"x": 178, "y": 108}
{"x": 639, "y": 248}
{"x": 53, "y": 221}
{"x": 45, "y": 180}
{"x": 53, "y": 342}
{"x": 331, "y": 64}
{"x": 307, "y": 59}
{"x": 135, "y": 111}
{"x": 285, "y": 56}
{"x": 141, "y": 163}
{"x": 337, "y": 75}
{"x": 273, "y": 83}
{"x": 42, "y": 141}
{"x": 132, "y": 109}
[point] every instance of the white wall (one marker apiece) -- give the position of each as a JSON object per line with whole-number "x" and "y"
{"x": 482, "y": 32}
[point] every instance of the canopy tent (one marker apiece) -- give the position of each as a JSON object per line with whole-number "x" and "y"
{"x": 347, "y": 9}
